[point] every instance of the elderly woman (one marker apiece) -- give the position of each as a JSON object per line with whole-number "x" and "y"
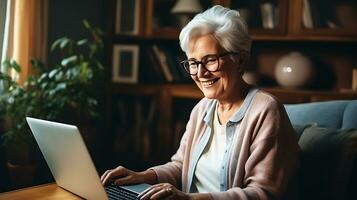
{"x": 238, "y": 143}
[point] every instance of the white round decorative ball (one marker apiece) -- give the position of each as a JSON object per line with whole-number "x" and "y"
{"x": 294, "y": 70}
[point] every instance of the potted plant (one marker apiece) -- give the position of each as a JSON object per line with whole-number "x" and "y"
{"x": 65, "y": 92}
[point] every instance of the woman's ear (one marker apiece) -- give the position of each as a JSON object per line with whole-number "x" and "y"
{"x": 244, "y": 58}
{"x": 242, "y": 61}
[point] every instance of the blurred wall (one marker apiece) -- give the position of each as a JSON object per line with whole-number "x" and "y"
{"x": 65, "y": 18}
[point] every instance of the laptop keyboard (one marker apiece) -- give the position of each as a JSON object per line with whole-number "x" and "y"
{"x": 115, "y": 192}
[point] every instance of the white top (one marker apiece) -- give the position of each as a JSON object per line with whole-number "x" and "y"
{"x": 207, "y": 173}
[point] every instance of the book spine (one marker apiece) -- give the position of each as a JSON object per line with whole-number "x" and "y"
{"x": 163, "y": 63}
{"x": 155, "y": 67}
{"x": 267, "y": 11}
{"x": 306, "y": 15}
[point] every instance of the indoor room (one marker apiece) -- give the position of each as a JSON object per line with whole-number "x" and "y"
{"x": 178, "y": 99}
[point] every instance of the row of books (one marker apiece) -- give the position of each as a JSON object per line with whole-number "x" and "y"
{"x": 310, "y": 16}
{"x": 316, "y": 14}
{"x": 162, "y": 65}
{"x": 270, "y": 15}
{"x": 134, "y": 123}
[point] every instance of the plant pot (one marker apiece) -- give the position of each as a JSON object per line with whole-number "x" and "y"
{"x": 21, "y": 175}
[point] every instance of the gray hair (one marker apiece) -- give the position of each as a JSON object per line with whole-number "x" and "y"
{"x": 225, "y": 24}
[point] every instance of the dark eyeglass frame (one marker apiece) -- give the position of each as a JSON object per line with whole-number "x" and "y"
{"x": 202, "y": 62}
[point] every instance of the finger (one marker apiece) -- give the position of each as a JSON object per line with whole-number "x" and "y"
{"x": 107, "y": 177}
{"x": 126, "y": 180}
{"x": 163, "y": 193}
{"x": 117, "y": 172}
{"x": 104, "y": 175}
{"x": 150, "y": 191}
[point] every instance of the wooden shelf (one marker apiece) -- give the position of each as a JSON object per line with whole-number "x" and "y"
{"x": 304, "y": 38}
{"x": 289, "y": 29}
{"x": 130, "y": 89}
{"x": 288, "y": 96}
{"x": 170, "y": 33}
{"x": 191, "y": 91}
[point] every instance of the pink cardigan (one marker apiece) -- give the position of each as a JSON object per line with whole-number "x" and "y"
{"x": 263, "y": 159}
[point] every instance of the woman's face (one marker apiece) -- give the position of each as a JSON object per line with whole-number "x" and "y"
{"x": 220, "y": 84}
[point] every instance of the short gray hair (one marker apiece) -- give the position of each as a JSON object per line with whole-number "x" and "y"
{"x": 225, "y": 24}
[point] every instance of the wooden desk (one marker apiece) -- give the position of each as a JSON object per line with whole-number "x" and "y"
{"x": 47, "y": 191}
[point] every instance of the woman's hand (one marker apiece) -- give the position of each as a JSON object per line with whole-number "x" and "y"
{"x": 124, "y": 176}
{"x": 163, "y": 191}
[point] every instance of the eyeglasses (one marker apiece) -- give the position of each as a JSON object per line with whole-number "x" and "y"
{"x": 209, "y": 62}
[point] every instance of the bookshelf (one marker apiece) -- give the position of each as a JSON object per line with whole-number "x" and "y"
{"x": 331, "y": 48}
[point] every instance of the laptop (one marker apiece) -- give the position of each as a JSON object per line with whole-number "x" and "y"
{"x": 71, "y": 165}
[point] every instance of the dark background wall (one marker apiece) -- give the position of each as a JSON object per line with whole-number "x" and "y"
{"x": 65, "y": 19}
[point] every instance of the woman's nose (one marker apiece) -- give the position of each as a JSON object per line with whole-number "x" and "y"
{"x": 201, "y": 70}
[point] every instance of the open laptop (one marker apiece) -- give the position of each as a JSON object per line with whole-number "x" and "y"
{"x": 71, "y": 165}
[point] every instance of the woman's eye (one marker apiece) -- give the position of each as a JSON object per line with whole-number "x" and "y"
{"x": 192, "y": 63}
{"x": 210, "y": 60}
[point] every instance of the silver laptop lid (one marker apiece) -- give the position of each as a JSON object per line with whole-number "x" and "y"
{"x": 68, "y": 158}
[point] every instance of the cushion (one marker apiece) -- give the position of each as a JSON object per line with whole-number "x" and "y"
{"x": 299, "y": 129}
{"x": 350, "y": 116}
{"x": 327, "y": 162}
{"x": 326, "y": 114}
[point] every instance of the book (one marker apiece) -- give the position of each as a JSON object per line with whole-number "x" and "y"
{"x": 318, "y": 20}
{"x": 163, "y": 63}
{"x": 185, "y": 77}
{"x": 173, "y": 65}
{"x": 306, "y": 15}
{"x": 267, "y": 11}
{"x": 154, "y": 68}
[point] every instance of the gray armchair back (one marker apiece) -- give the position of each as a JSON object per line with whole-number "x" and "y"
{"x": 327, "y": 134}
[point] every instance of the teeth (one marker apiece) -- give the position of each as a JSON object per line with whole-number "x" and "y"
{"x": 207, "y": 83}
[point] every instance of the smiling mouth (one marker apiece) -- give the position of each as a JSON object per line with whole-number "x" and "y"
{"x": 209, "y": 82}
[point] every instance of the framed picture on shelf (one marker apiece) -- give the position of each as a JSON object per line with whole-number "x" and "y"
{"x": 127, "y": 17}
{"x": 125, "y": 63}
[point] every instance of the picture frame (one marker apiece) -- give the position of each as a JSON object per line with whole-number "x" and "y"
{"x": 127, "y": 17}
{"x": 125, "y": 67}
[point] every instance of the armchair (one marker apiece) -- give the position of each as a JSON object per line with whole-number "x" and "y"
{"x": 327, "y": 134}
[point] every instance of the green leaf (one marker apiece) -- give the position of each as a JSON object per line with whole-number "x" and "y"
{"x": 99, "y": 65}
{"x": 5, "y": 77}
{"x": 44, "y": 85}
{"x": 59, "y": 76}
{"x": 15, "y": 66}
{"x": 56, "y": 43}
{"x": 51, "y": 93}
{"x": 42, "y": 77}
{"x": 65, "y": 42}
{"x": 99, "y": 31}
{"x": 52, "y": 73}
{"x": 6, "y": 64}
{"x": 86, "y": 24}
{"x": 37, "y": 64}
{"x": 61, "y": 86}
{"x": 82, "y": 42}
{"x": 68, "y": 60}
